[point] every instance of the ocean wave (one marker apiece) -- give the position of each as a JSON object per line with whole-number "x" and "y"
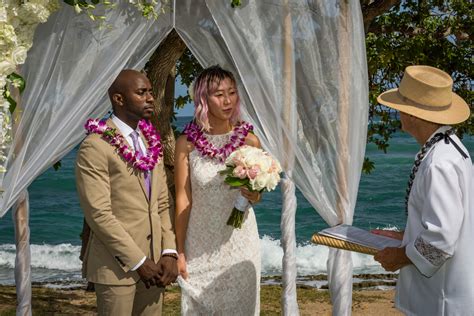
{"x": 63, "y": 257}
{"x": 310, "y": 259}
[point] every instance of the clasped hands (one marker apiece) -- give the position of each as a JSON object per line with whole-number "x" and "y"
{"x": 160, "y": 274}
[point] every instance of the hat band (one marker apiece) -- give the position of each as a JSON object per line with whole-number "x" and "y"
{"x": 436, "y": 108}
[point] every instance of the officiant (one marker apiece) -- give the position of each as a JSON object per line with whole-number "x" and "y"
{"x": 436, "y": 256}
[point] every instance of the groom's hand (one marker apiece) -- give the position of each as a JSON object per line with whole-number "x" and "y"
{"x": 148, "y": 272}
{"x": 168, "y": 270}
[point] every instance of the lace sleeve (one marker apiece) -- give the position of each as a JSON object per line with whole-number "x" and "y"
{"x": 434, "y": 255}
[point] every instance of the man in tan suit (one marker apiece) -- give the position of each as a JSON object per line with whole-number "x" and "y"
{"x": 130, "y": 254}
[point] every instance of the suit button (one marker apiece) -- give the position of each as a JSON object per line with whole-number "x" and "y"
{"x": 148, "y": 237}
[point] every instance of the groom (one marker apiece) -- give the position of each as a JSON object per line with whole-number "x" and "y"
{"x": 130, "y": 254}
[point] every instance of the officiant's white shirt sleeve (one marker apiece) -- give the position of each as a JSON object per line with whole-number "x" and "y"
{"x": 442, "y": 215}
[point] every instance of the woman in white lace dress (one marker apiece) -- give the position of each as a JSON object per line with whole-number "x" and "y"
{"x": 219, "y": 265}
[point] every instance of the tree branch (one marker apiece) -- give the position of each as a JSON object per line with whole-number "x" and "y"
{"x": 373, "y": 8}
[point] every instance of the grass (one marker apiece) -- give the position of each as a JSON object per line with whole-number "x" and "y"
{"x": 78, "y": 302}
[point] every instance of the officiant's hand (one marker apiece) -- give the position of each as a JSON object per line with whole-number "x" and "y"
{"x": 148, "y": 272}
{"x": 388, "y": 233}
{"x": 168, "y": 270}
{"x": 252, "y": 196}
{"x": 392, "y": 258}
{"x": 182, "y": 267}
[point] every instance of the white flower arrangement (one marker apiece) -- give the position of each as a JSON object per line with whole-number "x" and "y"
{"x": 149, "y": 9}
{"x": 254, "y": 169}
{"x": 18, "y": 21}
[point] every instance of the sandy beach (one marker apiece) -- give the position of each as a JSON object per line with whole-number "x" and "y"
{"x": 311, "y": 301}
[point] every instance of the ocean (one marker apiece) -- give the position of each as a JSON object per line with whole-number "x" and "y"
{"x": 56, "y": 218}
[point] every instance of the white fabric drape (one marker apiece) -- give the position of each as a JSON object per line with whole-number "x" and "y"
{"x": 288, "y": 243}
{"x": 68, "y": 71}
{"x": 328, "y": 85}
{"x": 21, "y": 215}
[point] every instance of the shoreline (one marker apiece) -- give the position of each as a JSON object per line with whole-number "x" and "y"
{"x": 311, "y": 301}
{"x": 365, "y": 281}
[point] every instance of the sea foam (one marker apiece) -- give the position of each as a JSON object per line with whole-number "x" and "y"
{"x": 310, "y": 259}
{"x": 63, "y": 257}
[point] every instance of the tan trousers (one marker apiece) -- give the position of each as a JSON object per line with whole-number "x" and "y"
{"x": 120, "y": 300}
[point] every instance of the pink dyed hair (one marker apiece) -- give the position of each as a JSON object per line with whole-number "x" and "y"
{"x": 207, "y": 81}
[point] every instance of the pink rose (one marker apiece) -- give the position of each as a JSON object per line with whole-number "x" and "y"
{"x": 253, "y": 172}
{"x": 240, "y": 172}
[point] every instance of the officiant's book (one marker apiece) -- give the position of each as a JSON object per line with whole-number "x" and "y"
{"x": 351, "y": 238}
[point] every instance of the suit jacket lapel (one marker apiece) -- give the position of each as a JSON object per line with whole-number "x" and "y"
{"x": 135, "y": 173}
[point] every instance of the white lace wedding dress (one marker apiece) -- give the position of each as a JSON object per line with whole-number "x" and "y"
{"x": 223, "y": 262}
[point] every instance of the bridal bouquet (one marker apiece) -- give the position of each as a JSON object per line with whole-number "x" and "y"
{"x": 253, "y": 168}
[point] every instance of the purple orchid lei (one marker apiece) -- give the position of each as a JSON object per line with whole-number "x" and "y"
{"x": 197, "y": 137}
{"x": 138, "y": 161}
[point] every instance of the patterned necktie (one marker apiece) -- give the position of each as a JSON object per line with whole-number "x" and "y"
{"x": 138, "y": 149}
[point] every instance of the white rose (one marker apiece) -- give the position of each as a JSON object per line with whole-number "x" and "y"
{"x": 7, "y": 34}
{"x": 19, "y": 55}
{"x": 273, "y": 179}
{"x": 251, "y": 155}
{"x": 25, "y": 36}
{"x": 3, "y": 82}
{"x": 14, "y": 21}
{"x": 260, "y": 182}
{"x": 7, "y": 67}
{"x": 3, "y": 14}
{"x": 34, "y": 13}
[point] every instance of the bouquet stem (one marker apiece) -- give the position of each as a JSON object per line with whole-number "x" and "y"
{"x": 236, "y": 218}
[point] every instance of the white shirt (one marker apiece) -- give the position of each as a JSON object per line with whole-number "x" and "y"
{"x": 439, "y": 236}
{"x": 126, "y": 131}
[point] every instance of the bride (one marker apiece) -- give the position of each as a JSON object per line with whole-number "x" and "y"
{"x": 219, "y": 265}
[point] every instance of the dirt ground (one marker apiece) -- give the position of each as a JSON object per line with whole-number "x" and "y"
{"x": 311, "y": 301}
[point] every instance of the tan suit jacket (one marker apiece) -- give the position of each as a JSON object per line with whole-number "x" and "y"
{"x": 125, "y": 224}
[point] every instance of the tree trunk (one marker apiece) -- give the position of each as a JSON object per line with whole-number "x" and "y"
{"x": 161, "y": 70}
{"x": 373, "y": 8}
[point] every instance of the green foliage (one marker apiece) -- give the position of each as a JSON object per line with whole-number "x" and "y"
{"x": 432, "y": 32}
{"x": 368, "y": 165}
{"x": 57, "y": 166}
{"x": 146, "y": 7}
{"x": 16, "y": 81}
{"x": 235, "y": 3}
{"x": 188, "y": 68}
{"x": 237, "y": 182}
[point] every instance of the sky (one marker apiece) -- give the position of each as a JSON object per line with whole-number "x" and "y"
{"x": 180, "y": 89}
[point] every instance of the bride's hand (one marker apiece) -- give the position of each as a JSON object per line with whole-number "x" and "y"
{"x": 182, "y": 268}
{"x": 252, "y": 196}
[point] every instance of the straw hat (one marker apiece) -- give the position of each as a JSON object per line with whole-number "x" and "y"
{"x": 426, "y": 92}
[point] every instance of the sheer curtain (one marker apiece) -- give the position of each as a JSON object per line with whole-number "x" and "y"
{"x": 68, "y": 70}
{"x": 303, "y": 78}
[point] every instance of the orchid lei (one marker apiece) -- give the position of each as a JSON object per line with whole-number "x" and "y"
{"x": 138, "y": 161}
{"x": 197, "y": 137}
